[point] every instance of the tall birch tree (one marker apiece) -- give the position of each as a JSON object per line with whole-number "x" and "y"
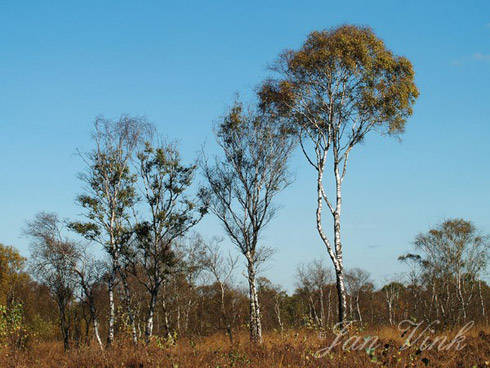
{"x": 242, "y": 185}
{"x": 166, "y": 185}
{"x": 339, "y": 86}
{"x": 109, "y": 197}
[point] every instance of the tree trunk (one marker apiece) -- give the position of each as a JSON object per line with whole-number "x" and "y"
{"x": 337, "y": 242}
{"x": 178, "y": 318}
{"x": 336, "y": 256}
{"x": 166, "y": 324}
{"x": 226, "y": 320}
{"x": 322, "y": 308}
{"x": 255, "y": 325}
{"x": 461, "y": 297}
{"x": 313, "y": 312}
{"x": 390, "y": 312}
{"x": 151, "y": 313}
{"x": 93, "y": 316}
{"x": 277, "y": 309}
{"x": 187, "y": 311}
{"x": 358, "y": 308}
{"x": 341, "y": 296}
{"x": 350, "y": 309}
{"x": 96, "y": 333}
{"x": 112, "y": 309}
{"x": 482, "y": 302}
{"x": 64, "y": 326}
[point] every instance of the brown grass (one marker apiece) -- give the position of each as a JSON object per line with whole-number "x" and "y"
{"x": 292, "y": 349}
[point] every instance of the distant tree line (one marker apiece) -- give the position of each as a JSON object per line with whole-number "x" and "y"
{"x": 202, "y": 295}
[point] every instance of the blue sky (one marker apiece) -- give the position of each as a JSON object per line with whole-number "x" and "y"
{"x": 180, "y": 64}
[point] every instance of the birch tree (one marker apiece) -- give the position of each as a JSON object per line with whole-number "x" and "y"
{"x": 221, "y": 268}
{"x": 314, "y": 278}
{"x": 339, "y": 86}
{"x": 109, "y": 197}
{"x": 166, "y": 183}
{"x": 391, "y": 293}
{"x": 357, "y": 281}
{"x": 242, "y": 185}
{"x": 451, "y": 259}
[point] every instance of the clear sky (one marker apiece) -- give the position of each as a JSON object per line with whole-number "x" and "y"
{"x": 180, "y": 63}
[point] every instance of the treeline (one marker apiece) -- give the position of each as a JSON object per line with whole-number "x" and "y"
{"x": 154, "y": 278}
{"x": 203, "y": 297}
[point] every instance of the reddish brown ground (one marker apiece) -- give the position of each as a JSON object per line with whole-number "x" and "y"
{"x": 293, "y": 349}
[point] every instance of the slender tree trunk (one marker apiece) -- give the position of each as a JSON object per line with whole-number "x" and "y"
{"x": 111, "y": 283}
{"x": 461, "y": 298}
{"x": 336, "y": 256}
{"x": 64, "y": 326}
{"x": 151, "y": 313}
{"x": 166, "y": 324}
{"x": 350, "y": 310}
{"x": 226, "y": 320}
{"x": 482, "y": 302}
{"x": 178, "y": 318}
{"x": 258, "y": 323}
{"x": 187, "y": 311}
{"x": 358, "y": 308}
{"x": 96, "y": 333}
{"x": 255, "y": 325}
{"x": 277, "y": 309}
{"x": 390, "y": 310}
{"x": 313, "y": 312}
{"x": 322, "y": 308}
{"x": 337, "y": 242}
{"x": 112, "y": 309}
{"x": 95, "y": 323}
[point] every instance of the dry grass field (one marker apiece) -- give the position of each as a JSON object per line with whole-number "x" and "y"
{"x": 291, "y": 349}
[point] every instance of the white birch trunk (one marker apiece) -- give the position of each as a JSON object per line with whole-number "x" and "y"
{"x": 336, "y": 257}
{"x": 149, "y": 320}
{"x": 255, "y": 325}
{"x": 112, "y": 310}
{"x": 96, "y": 333}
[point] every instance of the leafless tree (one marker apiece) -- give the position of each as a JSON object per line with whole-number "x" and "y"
{"x": 357, "y": 281}
{"x": 51, "y": 255}
{"x": 221, "y": 268}
{"x": 314, "y": 279}
{"x": 243, "y": 184}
